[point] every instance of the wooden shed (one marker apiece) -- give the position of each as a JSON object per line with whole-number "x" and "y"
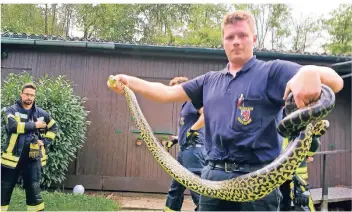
{"x": 110, "y": 158}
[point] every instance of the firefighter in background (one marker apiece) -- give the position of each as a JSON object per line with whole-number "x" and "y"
{"x": 297, "y": 190}
{"x": 30, "y": 131}
{"x": 192, "y": 152}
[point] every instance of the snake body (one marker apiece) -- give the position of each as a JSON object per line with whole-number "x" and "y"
{"x": 254, "y": 185}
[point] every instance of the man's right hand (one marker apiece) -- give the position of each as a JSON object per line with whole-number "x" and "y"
{"x": 116, "y": 86}
{"x": 40, "y": 124}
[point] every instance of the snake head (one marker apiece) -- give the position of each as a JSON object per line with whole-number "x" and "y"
{"x": 111, "y": 80}
{"x": 321, "y": 127}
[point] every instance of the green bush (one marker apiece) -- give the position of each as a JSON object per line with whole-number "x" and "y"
{"x": 56, "y": 96}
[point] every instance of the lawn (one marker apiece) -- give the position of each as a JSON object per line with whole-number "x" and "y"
{"x": 58, "y": 201}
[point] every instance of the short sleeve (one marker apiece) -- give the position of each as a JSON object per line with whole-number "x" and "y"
{"x": 280, "y": 73}
{"x": 194, "y": 90}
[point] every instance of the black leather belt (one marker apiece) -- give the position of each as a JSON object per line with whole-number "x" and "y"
{"x": 233, "y": 167}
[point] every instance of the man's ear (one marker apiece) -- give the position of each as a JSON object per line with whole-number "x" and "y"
{"x": 255, "y": 40}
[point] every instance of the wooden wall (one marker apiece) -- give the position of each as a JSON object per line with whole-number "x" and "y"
{"x": 110, "y": 158}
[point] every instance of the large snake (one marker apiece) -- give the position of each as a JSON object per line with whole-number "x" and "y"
{"x": 254, "y": 185}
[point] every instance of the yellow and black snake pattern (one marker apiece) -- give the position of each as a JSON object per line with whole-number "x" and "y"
{"x": 254, "y": 185}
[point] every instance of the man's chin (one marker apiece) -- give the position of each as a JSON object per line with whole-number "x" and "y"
{"x": 237, "y": 58}
{"x": 26, "y": 103}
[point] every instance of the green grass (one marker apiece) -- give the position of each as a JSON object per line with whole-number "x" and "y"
{"x": 58, "y": 201}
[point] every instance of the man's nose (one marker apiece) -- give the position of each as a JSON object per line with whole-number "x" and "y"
{"x": 236, "y": 41}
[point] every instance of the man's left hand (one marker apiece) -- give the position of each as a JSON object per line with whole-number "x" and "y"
{"x": 305, "y": 86}
{"x": 40, "y": 142}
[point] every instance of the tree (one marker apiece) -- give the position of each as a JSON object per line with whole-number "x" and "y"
{"x": 279, "y": 25}
{"x": 203, "y": 25}
{"x": 339, "y": 27}
{"x": 29, "y": 18}
{"x": 160, "y": 23}
{"x": 305, "y": 33}
{"x": 66, "y": 18}
{"x": 22, "y": 18}
{"x": 269, "y": 18}
{"x": 119, "y": 23}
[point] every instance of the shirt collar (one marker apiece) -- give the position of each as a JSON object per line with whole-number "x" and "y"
{"x": 245, "y": 67}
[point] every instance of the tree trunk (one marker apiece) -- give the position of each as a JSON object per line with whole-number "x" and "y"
{"x": 46, "y": 20}
{"x": 53, "y": 21}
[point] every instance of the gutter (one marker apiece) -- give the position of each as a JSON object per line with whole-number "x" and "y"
{"x": 187, "y": 52}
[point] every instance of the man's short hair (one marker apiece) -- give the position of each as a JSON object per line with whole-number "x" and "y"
{"x": 29, "y": 85}
{"x": 239, "y": 15}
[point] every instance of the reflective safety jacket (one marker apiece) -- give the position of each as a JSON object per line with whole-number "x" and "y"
{"x": 20, "y": 124}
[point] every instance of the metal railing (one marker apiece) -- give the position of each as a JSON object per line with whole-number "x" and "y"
{"x": 324, "y": 183}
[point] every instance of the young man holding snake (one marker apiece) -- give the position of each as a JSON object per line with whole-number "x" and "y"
{"x": 241, "y": 136}
{"x": 191, "y": 154}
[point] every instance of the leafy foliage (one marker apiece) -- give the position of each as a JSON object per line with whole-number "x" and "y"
{"x": 339, "y": 27}
{"x": 56, "y": 96}
{"x": 180, "y": 24}
{"x": 28, "y": 18}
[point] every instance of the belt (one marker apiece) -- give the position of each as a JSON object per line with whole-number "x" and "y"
{"x": 233, "y": 167}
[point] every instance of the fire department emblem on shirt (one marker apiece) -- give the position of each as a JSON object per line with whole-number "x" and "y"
{"x": 245, "y": 116}
{"x": 182, "y": 121}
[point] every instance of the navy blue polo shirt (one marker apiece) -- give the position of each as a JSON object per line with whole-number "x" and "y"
{"x": 188, "y": 116}
{"x": 241, "y": 113}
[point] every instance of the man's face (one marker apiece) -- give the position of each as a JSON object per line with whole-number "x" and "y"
{"x": 28, "y": 96}
{"x": 238, "y": 41}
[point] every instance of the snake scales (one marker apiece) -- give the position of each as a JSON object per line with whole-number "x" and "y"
{"x": 254, "y": 185}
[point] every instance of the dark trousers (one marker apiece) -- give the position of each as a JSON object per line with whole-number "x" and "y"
{"x": 31, "y": 173}
{"x": 285, "y": 190}
{"x": 269, "y": 203}
{"x": 194, "y": 160}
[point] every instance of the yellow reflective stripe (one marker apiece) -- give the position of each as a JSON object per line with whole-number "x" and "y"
{"x": 167, "y": 209}
{"x": 310, "y": 154}
{"x": 36, "y": 207}
{"x": 14, "y": 136}
{"x": 20, "y": 127}
{"x": 45, "y": 156}
{"x": 302, "y": 170}
{"x": 4, "y": 207}
{"x": 8, "y": 163}
{"x": 9, "y": 156}
{"x": 12, "y": 142}
{"x": 302, "y": 179}
{"x": 291, "y": 190}
{"x": 311, "y": 204}
{"x": 50, "y": 135}
{"x": 284, "y": 144}
{"x": 51, "y": 123}
{"x": 304, "y": 176}
{"x": 17, "y": 117}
